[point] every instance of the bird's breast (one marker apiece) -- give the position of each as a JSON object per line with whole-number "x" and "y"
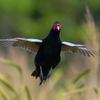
{"x": 52, "y": 49}
{"x": 49, "y": 53}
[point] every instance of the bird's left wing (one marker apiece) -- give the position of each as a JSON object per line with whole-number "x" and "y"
{"x": 77, "y": 48}
{"x": 31, "y": 45}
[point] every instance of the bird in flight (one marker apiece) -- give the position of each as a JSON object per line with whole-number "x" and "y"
{"x": 47, "y": 50}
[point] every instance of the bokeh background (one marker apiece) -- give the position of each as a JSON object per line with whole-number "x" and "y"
{"x": 76, "y": 77}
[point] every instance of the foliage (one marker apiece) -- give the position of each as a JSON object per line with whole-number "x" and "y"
{"x": 9, "y": 87}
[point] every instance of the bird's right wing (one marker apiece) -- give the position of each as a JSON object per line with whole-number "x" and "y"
{"x": 31, "y": 45}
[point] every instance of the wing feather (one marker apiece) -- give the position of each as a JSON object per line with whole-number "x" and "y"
{"x": 77, "y": 48}
{"x": 31, "y": 45}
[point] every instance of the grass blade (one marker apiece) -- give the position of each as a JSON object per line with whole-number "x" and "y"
{"x": 28, "y": 93}
{"x": 8, "y": 86}
{"x": 4, "y": 94}
{"x": 81, "y": 75}
{"x": 13, "y": 65}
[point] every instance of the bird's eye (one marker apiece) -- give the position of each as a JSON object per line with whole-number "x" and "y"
{"x": 54, "y": 26}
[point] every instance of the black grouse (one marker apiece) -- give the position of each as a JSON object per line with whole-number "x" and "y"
{"x": 48, "y": 50}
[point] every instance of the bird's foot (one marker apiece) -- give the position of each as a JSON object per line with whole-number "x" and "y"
{"x": 42, "y": 78}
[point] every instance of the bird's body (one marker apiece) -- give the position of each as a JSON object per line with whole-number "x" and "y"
{"x": 48, "y": 50}
{"x": 48, "y": 55}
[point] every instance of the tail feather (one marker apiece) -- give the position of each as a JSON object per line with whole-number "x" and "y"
{"x": 46, "y": 75}
{"x": 35, "y": 73}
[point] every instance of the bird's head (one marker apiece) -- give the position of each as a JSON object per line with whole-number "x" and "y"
{"x": 55, "y": 30}
{"x": 56, "y": 26}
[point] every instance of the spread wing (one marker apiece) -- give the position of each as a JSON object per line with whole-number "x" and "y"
{"x": 31, "y": 45}
{"x": 77, "y": 48}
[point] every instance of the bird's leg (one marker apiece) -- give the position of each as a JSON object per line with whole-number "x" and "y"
{"x": 42, "y": 78}
{"x": 48, "y": 75}
{"x": 49, "y": 72}
{"x": 41, "y": 74}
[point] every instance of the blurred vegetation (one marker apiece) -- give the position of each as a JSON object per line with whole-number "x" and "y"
{"x": 76, "y": 77}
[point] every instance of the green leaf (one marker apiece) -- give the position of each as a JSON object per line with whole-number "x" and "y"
{"x": 5, "y": 76}
{"x": 81, "y": 75}
{"x": 13, "y": 65}
{"x": 4, "y": 94}
{"x": 96, "y": 90}
{"x": 28, "y": 93}
{"x": 8, "y": 86}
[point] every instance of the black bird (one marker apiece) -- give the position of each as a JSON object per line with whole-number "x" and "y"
{"x": 48, "y": 50}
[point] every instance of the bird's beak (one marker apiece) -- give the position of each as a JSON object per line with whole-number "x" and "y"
{"x": 58, "y": 28}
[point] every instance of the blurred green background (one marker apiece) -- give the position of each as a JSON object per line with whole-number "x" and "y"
{"x": 76, "y": 77}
